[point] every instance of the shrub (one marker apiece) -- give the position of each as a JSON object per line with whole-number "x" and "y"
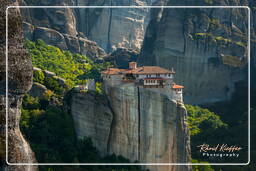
{"x": 38, "y": 76}
{"x": 202, "y": 119}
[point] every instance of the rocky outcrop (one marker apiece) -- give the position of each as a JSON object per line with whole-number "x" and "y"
{"x": 114, "y": 28}
{"x": 64, "y": 41}
{"x": 139, "y": 124}
{"x": 92, "y": 118}
{"x": 90, "y": 49}
{"x": 122, "y": 56}
{"x": 148, "y": 127}
{"x": 19, "y": 81}
{"x": 50, "y": 36}
{"x": 37, "y": 90}
{"x": 120, "y": 27}
{"x": 60, "y": 19}
{"x": 206, "y": 47}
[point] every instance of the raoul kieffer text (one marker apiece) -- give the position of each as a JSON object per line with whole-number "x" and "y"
{"x": 219, "y": 150}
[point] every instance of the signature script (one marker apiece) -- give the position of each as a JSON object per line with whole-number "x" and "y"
{"x": 219, "y": 147}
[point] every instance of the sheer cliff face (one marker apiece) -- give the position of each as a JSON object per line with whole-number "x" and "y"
{"x": 139, "y": 124}
{"x": 207, "y": 48}
{"x": 92, "y": 118}
{"x": 20, "y": 80}
{"x": 120, "y": 27}
{"x": 148, "y": 127}
{"x": 109, "y": 28}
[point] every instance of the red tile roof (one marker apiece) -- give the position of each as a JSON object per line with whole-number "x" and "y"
{"x": 176, "y": 86}
{"x": 140, "y": 70}
{"x": 150, "y": 70}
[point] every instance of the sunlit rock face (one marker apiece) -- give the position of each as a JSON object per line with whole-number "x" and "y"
{"x": 119, "y": 28}
{"x": 206, "y": 47}
{"x": 19, "y": 81}
{"x": 148, "y": 127}
{"x": 92, "y": 118}
{"x": 137, "y": 123}
{"x": 109, "y": 28}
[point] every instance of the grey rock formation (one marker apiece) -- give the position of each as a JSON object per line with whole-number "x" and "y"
{"x": 20, "y": 81}
{"x": 122, "y": 56}
{"x": 120, "y": 27}
{"x": 90, "y": 49}
{"x": 60, "y": 19}
{"x": 124, "y": 27}
{"x": 64, "y": 41}
{"x": 72, "y": 43}
{"x": 50, "y": 36}
{"x": 92, "y": 118}
{"x": 206, "y": 47}
{"x": 148, "y": 127}
{"x": 61, "y": 81}
{"x": 139, "y": 124}
{"x": 48, "y": 74}
{"x": 37, "y": 90}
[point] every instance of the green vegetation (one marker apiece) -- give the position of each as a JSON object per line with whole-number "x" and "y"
{"x": 201, "y": 167}
{"x": 200, "y": 119}
{"x": 46, "y": 123}
{"x": 74, "y": 68}
{"x": 50, "y": 131}
{"x": 38, "y": 76}
{"x": 202, "y": 123}
{"x": 230, "y": 126}
{"x": 219, "y": 39}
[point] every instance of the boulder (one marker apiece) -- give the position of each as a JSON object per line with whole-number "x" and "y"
{"x": 50, "y": 36}
{"x": 48, "y": 74}
{"x": 90, "y": 49}
{"x": 61, "y": 81}
{"x": 37, "y": 90}
{"x": 72, "y": 43}
{"x": 122, "y": 56}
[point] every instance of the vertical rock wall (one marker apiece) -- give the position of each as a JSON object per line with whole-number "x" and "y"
{"x": 20, "y": 81}
{"x": 92, "y": 118}
{"x": 206, "y": 47}
{"x": 109, "y": 28}
{"x": 148, "y": 127}
{"x": 141, "y": 125}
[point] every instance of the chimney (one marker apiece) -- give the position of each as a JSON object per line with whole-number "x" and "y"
{"x": 132, "y": 65}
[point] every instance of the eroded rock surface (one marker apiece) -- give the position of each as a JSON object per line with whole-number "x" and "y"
{"x": 139, "y": 124}
{"x": 20, "y": 81}
{"x": 122, "y": 56}
{"x": 92, "y": 118}
{"x": 148, "y": 127}
{"x": 109, "y": 28}
{"x": 206, "y": 47}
